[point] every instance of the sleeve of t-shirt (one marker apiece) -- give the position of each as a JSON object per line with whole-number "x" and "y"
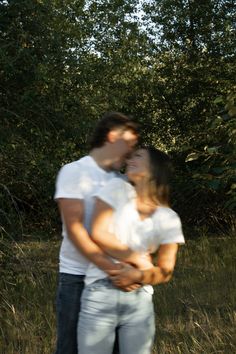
{"x": 70, "y": 182}
{"x": 170, "y": 227}
{"x": 113, "y": 193}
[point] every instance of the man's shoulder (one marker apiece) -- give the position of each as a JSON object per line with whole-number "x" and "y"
{"x": 75, "y": 179}
{"x": 118, "y": 174}
{"x": 117, "y": 181}
{"x": 84, "y": 162}
{"x": 119, "y": 188}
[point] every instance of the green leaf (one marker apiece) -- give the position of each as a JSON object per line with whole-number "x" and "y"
{"x": 230, "y": 204}
{"x": 193, "y": 156}
{"x": 212, "y": 150}
{"x": 218, "y": 170}
{"x": 214, "y": 184}
{"x": 218, "y": 99}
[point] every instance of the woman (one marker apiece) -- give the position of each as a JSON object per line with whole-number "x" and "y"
{"x": 131, "y": 220}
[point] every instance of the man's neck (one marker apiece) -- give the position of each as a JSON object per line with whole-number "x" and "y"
{"x": 102, "y": 158}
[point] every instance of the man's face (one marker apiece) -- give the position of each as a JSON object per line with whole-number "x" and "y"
{"x": 122, "y": 147}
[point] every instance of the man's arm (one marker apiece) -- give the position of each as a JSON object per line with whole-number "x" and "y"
{"x": 161, "y": 273}
{"x": 72, "y": 212}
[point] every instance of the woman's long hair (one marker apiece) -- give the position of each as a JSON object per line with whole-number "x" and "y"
{"x": 161, "y": 169}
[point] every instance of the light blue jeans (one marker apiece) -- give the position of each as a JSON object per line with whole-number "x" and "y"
{"x": 105, "y": 309}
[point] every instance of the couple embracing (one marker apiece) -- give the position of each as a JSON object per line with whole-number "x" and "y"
{"x": 112, "y": 225}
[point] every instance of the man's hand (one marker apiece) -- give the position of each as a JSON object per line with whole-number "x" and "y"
{"x": 129, "y": 288}
{"x": 127, "y": 277}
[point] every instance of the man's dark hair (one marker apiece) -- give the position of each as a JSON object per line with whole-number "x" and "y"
{"x": 111, "y": 121}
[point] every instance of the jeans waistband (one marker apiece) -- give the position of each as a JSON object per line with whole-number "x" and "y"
{"x": 103, "y": 281}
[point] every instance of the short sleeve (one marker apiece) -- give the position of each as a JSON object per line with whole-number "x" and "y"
{"x": 170, "y": 227}
{"x": 113, "y": 193}
{"x": 72, "y": 182}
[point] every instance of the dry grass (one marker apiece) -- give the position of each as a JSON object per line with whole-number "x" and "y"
{"x": 195, "y": 312}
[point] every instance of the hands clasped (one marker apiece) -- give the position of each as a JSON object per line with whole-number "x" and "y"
{"x": 126, "y": 277}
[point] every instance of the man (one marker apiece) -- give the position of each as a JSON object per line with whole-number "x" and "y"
{"x": 113, "y": 140}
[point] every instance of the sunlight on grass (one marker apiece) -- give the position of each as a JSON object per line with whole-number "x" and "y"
{"x": 195, "y": 312}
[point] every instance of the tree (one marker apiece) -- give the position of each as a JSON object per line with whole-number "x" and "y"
{"x": 63, "y": 63}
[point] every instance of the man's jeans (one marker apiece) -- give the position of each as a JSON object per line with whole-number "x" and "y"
{"x": 68, "y": 307}
{"x": 104, "y": 309}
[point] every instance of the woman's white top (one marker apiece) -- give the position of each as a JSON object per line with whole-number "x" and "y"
{"x": 162, "y": 227}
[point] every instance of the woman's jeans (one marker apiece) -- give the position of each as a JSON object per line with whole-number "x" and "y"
{"x": 68, "y": 307}
{"x": 104, "y": 309}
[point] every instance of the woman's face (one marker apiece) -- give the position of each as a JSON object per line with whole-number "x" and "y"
{"x": 138, "y": 165}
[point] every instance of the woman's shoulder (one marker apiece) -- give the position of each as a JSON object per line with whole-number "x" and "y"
{"x": 166, "y": 214}
{"x": 169, "y": 224}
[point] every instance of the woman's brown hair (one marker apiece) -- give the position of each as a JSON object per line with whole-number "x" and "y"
{"x": 161, "y": 169}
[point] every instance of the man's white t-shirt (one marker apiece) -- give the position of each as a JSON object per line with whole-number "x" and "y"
{"x": 162, "y": 227}
{"x": 80, "y": 179}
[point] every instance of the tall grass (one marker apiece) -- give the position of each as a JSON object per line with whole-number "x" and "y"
{"x": 195, "y": 312}
{"x": 28, "y": 282}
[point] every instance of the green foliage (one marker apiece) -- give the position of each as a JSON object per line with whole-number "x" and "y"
{"x": 217, "y": 159}
{"x": 62, "y": 64}
{"x": 192, "y": 66}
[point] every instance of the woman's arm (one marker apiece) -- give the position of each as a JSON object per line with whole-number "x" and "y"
{"x": 107, "y": 241}
{"x": 161, "y": 273}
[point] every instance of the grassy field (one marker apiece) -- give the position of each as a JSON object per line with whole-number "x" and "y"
{"x": 195, "y": 312}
